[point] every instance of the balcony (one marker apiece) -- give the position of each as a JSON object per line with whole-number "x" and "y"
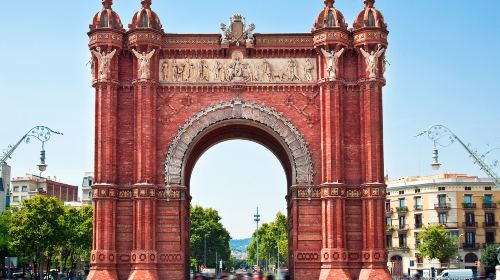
{"x": 468, "y": 205}
{"x": 469, "y": 225}
{"x": 402, "y": 210}
{"x": 402, "y": 228}
{"x": 490, "y": 224}
{"x": 418, "y": 207}
{"x": 470, "y": 246}
{"x": 390, "y": 228}
{"x": 442, "y": 207}
{"x": 490, "y": 205}
{"x": 402, "y": 248}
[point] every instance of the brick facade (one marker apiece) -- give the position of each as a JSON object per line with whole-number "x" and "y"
{"x": 151, "y": 129}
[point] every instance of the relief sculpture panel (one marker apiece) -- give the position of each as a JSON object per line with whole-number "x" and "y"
{"x": 272, "y": 70}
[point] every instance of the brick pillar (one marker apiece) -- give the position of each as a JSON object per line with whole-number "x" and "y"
{"x": 103, "y": 257}
{"x": 144, "y": 254}
{"x": 374, "y": 254}
{"x": 334, "y": 253}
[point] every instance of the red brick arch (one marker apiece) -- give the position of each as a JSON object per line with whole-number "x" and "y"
{"x": 162, "y": 99}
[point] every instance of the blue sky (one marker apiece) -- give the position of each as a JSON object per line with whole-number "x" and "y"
{"x": 445, "y": 68}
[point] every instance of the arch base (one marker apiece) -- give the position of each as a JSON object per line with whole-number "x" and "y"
{"x": 102, "y": 274}
{"x": 375, "y": 274}
{"x": 334, "y": 273}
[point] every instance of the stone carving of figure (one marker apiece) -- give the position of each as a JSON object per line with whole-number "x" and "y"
{"x": 235, "y": 70}
{"x": 308, "y": 70}
{"x": 332, "y": 61}
{"x": 249, "y": 34}
{"x": 203, "y": 71}
{"x": 371, "y": 60}
{"x": 104, "y": 62}
{"x": 219, "y": 71}
{"x": 267, "y": 73}
{"x": 144, "y": 60}
{"x": 292, "y": 71}
{"x": 189, "y": 70}
{"x": 164, "y": 70}
{"x": 178, "y": 70}
{"x": 247, "y": 72}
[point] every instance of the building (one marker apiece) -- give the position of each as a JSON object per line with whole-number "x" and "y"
{"x": 4, "y": 186}
{"x": 465, "y": 205}
{"x": 31, "y": 185}
{"x": 88, "y": 179}
{"x": 314, "y": 99}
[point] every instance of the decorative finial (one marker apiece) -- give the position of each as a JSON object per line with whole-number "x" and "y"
{"x": 329, "y": 3}
{"x": 369, "y": 3}
{"x": 107, "y": 4}
{"x": 146, "y": 3}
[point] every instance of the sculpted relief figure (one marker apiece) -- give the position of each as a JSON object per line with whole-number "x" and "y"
{"x": 308, "y": 70}
{"x": 204, "y": 73}
{"x": 332, "y": 61}
{"x": 267, "y": 73}
{"x": 165, "y": 70}
{"x": 104, "y": 62}
{"x": 371, "y": 60}
{"x": 144, "y": 60}
{"x": 292, "y": 74}
{"x": 249, "y": 34}
{"x": 178, "y": 71}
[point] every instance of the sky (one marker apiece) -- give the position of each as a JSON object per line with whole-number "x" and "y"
{"x": 444, "y": 69}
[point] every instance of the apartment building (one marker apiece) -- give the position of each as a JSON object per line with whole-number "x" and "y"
{"x": 465, "y": 205}
{"x": 27, "y": 187}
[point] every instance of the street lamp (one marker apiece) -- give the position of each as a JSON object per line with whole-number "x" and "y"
{"x": 257, "y": 219}
{"x": 459, "y": 258}
{"x": 42, "y": 133}
{"x": 444, "y": 137}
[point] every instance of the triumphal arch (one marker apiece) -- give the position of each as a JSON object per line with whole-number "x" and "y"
{"x": 314, "y": 99}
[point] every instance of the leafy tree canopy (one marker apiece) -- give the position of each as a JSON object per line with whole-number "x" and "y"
{"x": 273, "y": 239}
{"x": 489, "y": 258}
{"x": 437, "y": 243}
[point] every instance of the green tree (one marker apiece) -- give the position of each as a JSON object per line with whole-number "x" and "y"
{"x": 273, "y": 238}
{"x": 206, "y": 226}
{"x": 76, "y": 230}
{"x": 5, "y": 220}
{"x": 35, "y": 230}
{"x": 489, "y": 258}
{"x": 436, "y": 243}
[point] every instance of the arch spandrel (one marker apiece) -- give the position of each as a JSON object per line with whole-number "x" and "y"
{"x": 296, "y": 146}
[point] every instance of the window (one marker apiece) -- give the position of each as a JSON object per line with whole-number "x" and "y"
{"x": 371, "y": 19}
{"x": 15, "y": 198}
{"x": 402, "y": 240}
{"x": 418, "y": 220}
{"x": 418, "y": 203}
{"x": 417, "y": 190}
{"x": 470, "y": 238}
{"x": 469, "y": 219}
{"x": 441, "y": 188}
{"x": 490, "y": 237}
{"x": 24, "y": 188}
{"x": 487, "y": 188}
{"x": 402, "y": 203}
{"x": 402, "y": 192}
{"x": 388, "y": 221}
{"x": 388, "y": 193}
{"x": 417, "y": 241}
{"x": 442, "y": 201}
{"x": 402, "y": 222}
{"x": 468, "y": 188}
{"x": 388, "y": 206}
{"x": 489, "y": 219}
{"x": 388, "y": 240}
{"x": 144, "y": 20}
{"x": 443, "y": 218}
{"x": 16, "y": 189}
{"x": 105, "y": 19}
{"x": 24, "y": 198}
{"x": 419, "y": 259}
{"x": 331, "y": 19}
{"x": 468, "y": 198}
{"x": 488, "y": 201}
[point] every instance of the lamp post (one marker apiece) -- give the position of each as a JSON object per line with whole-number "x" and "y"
{"x": 42, "y": 133}
{"x": 444, "y": 137}
{"x": 257, "y": 219}
{"x": 459, "y": 258}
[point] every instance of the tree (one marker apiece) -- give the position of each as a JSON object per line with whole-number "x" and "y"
{"x": 207, "y": 227}
{"x": 273, "y": 238}
{"x": 5, "y": 220}
{"x": 489, "y": 258}
{"x": 76, "y": 225}
{"x": 436, "y": 243}
{"x": 35, "y": 229}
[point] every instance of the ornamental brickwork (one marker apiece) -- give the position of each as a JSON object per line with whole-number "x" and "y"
{"x": 314, "y": 99}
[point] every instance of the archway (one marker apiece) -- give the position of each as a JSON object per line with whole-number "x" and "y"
{"x": 397, "y": 265}
{"x": 247, "y": 121}
{"x": 470, "y": 260}
{"x": 234, "y": 177}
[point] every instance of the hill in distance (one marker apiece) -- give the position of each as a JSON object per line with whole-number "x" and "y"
{"x": 239, "y": 245}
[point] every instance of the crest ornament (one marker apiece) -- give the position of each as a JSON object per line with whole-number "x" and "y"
{"x": 237, "y": 32}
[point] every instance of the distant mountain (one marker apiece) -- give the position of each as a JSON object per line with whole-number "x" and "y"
{"x": 239, "y": 245}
